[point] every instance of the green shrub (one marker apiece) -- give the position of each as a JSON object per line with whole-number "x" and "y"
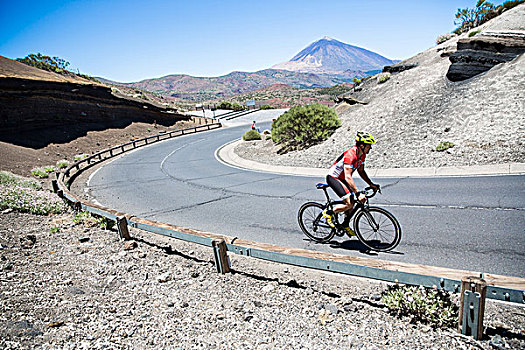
{"x": 87, "y": 219}
{"x": 51, "y": 64}
{"x": 251, "y": 135}
{"x": 25, "y": 196}
{"x": 54, "y": 229}
{"x": 267, "y": 132}
{"x": 474, "y": 32}
{"x": 82, "y": 218}
{"x": 49, "y": 169}
{"x": 265, "y": 107}
{"x": 483, "y": 12}
{"x": 88, "y": 77}
{"x": 62, "y": 164}
{"x": 381, "y": 78}
{"x": 304, "y": 126}
{"x": 444, "y": 145}
{"x": 80, "y": 157}
{"x": 40, "y": 172}
{"x": 229, "y": 105}
{"x": 426, "y": 305}
{"x": 469, "y": 18}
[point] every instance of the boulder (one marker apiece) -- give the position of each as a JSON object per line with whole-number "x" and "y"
{"x": 397, "y": 68}
{"x": 482, "y": 52}
{"x": 351, "y": 100}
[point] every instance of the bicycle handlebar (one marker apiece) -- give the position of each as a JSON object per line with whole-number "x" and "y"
{"x": 367, "y": 189}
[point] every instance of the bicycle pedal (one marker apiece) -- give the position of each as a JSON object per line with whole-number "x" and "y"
{"x": 340, "y": 232}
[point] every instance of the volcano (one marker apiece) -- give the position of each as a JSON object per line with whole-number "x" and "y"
{"x": 328, "y": 56}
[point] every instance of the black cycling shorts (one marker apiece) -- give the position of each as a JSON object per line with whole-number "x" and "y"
{"x": 340, "y": 187}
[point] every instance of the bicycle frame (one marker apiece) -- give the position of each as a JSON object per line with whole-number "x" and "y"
{"x": 330, "y": 205}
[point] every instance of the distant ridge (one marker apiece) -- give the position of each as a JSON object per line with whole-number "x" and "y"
{"x": 199, "y": 89}
{"x": 328, "y": 56}
{"x": 326, "y": 62}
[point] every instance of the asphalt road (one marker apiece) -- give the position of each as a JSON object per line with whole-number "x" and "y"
{"x": 471, "y": 223}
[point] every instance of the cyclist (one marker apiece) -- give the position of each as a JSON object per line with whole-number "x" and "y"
{"x": 340, "y": 179}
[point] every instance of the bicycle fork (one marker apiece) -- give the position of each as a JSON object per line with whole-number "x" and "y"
{"x": 371, "y": 220}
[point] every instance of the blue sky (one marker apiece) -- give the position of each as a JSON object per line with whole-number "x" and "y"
{"x": 131, "y": 40}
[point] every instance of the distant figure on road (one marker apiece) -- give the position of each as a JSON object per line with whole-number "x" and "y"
{"x": 254, "y": 127}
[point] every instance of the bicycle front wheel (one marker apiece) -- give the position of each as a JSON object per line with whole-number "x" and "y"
{"x": 377, "y": 229}
{"x": 313, "y": 224}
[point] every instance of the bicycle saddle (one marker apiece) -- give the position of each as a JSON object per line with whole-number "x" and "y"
{"x": 321, "y": 186}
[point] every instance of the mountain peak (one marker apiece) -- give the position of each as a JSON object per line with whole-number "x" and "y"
{"x": 328, "y": 55}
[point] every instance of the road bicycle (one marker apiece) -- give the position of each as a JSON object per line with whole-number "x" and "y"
{"x": 375, "y": 227}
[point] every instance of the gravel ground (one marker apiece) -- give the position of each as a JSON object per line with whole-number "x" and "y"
{"x": 83, "y": 288}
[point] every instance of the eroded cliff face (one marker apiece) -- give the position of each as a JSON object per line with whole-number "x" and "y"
{"x": 480, "y": 53}
{"x": 27, "y": 104}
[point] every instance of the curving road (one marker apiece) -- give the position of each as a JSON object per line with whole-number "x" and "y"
{"x": 471, "y": 223}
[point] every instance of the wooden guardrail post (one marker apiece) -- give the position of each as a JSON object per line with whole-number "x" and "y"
{"x": 472, "y": 306}
{"x": 220, "y": 252}
{"x": 54, "y": 183}
{"x": 77, "y": 206}
{"x": 122, "y": 226}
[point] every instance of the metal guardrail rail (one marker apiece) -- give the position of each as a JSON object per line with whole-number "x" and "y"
{"x": 286, "y": 255}
{"x": 243, "y": 113}
{"x": 227, "y": 114}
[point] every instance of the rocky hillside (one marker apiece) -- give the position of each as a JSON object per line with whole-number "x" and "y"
{"x": 199, "y": 89}
{"x": 328, "y": 55}
{"x": 31, "y": 99}
{"x": 416, "y": 109}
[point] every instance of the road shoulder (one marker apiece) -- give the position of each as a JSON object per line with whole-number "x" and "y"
{"x": 227, "y": 155}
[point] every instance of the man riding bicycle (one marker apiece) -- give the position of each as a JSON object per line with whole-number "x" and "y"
{"x": 340, "y": 179}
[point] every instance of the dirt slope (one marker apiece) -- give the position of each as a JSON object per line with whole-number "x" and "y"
{"x": 45, "y": 117}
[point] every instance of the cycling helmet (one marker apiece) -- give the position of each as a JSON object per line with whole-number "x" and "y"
{"x": 365, "y": 137}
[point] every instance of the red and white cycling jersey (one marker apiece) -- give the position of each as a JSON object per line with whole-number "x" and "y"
{"x": 348, "y": 160}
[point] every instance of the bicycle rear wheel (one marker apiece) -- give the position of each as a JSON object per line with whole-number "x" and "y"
{"x": 377, "y": 229}
{"x": 313, "y": 224}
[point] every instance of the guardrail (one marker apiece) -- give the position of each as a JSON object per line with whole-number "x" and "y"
{"x": 227, "y": 114}
{"x": 504, "y": 288}
{"x": 243, "y": 113}
{"x": 105, "y": 154}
